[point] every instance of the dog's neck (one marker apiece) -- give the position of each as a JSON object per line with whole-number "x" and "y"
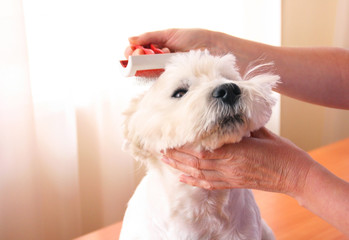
{"x": 169, "y": 179}
{"x": 176, "y": 200}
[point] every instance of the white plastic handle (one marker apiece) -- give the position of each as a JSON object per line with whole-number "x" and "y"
{"x": 144, "y": 62}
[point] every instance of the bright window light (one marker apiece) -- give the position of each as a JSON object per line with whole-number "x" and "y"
{"x": 74, "y": 45}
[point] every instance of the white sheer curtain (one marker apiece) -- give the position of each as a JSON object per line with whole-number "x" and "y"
{"x": 18, "y": 198}
{"x": 62, "y": 171}
{"x": 341, "y": 31}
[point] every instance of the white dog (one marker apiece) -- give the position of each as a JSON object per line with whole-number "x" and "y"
{"x": 200, "y": 99}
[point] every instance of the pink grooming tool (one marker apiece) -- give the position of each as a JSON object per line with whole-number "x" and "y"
{"x": 150, "y": 65}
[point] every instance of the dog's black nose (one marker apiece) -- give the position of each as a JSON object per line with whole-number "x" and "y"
{"x": 228, "y": 93}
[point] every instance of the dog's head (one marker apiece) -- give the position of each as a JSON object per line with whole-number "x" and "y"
{"x": 199, "y": 99}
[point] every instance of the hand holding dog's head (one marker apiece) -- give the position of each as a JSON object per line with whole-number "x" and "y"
{"x": 199, "y": 99}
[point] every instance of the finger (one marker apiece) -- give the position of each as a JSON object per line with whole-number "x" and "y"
{"x": 166, "y": 50}
{"x": 209, "y": 185}
{"x": 193, "y": 151}
{"x": 138, "y": 51}
{"x": 190, "y": 160}
{"x": 128, "y": 51}
{"x": 154, "y": 45}
{"x": 223, "y": 152}
{"x": 197, "y": 173}
{"x": 262, "y": 133}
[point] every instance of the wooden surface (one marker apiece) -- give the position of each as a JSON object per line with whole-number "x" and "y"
{"x": 108, "y": 233}
{"x": 288, "y": 220}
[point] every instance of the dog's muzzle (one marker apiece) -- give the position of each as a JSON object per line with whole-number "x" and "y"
{"x": 228, "y": 93}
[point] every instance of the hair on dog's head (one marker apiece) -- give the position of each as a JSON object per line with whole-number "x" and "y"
{"x": 199, "y": 99}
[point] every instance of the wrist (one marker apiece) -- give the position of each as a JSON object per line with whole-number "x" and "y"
{"x": 302, "y": 173}
{"x": 304, "y": 192}
{"x": 326, "y": 195}
{"x": 218, "y": 43}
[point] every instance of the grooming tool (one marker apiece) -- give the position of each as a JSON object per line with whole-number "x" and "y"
{"x": 150, "y": 65}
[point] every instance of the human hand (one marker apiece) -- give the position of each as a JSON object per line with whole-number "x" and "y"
{"x": 174, "y": 40}
{"x": 263, "y": 161}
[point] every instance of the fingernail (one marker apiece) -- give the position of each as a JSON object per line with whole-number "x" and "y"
{"x": 133, "y": 39}
{"x": 138, "y": 51}
{"x": 183, "y": 177}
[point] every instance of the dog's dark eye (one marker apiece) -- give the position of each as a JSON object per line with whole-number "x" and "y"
{"x": 179, "y": 93}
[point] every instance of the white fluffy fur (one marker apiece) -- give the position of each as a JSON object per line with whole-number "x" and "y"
{"x": 162, "y": 207}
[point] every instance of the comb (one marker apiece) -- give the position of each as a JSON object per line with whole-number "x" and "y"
{"x": 150, "y": 65}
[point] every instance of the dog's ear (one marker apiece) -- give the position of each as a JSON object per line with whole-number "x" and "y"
{"x": 128, "y": 113}
{"x": 132, "y": 142}
{"x": 228, "y": 67}
{"x": 262, "y": 98}
{"x": 229, "y": 58}
{"x": 125, "y": 146}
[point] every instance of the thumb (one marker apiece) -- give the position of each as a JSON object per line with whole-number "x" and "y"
{"x": 261, "y": 133}
{"x": 157, "y": 37}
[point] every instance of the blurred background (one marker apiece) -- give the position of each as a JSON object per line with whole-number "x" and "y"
{"x": 62, "y": 170}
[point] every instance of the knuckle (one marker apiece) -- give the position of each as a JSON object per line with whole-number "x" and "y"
{"x": 173, "y": 163}
{"x": 195, "y": 163}
{"x": 169, "y": 153}
{"x": 202, "y": 154}
{"x": 198, "y": 174}
{"x": 237, "y": 171}
{"x": 215, "y": 165}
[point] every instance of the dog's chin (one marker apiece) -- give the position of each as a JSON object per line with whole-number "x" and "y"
{"x": 229, "y": 123}
{"x": 225, "y": 130}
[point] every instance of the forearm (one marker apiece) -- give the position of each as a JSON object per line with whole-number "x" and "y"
{"x": 326, "y": 195}
{"x": 315, "y": 75}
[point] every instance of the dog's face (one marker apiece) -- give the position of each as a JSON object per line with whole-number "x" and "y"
{"x": 199, "y": 99}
